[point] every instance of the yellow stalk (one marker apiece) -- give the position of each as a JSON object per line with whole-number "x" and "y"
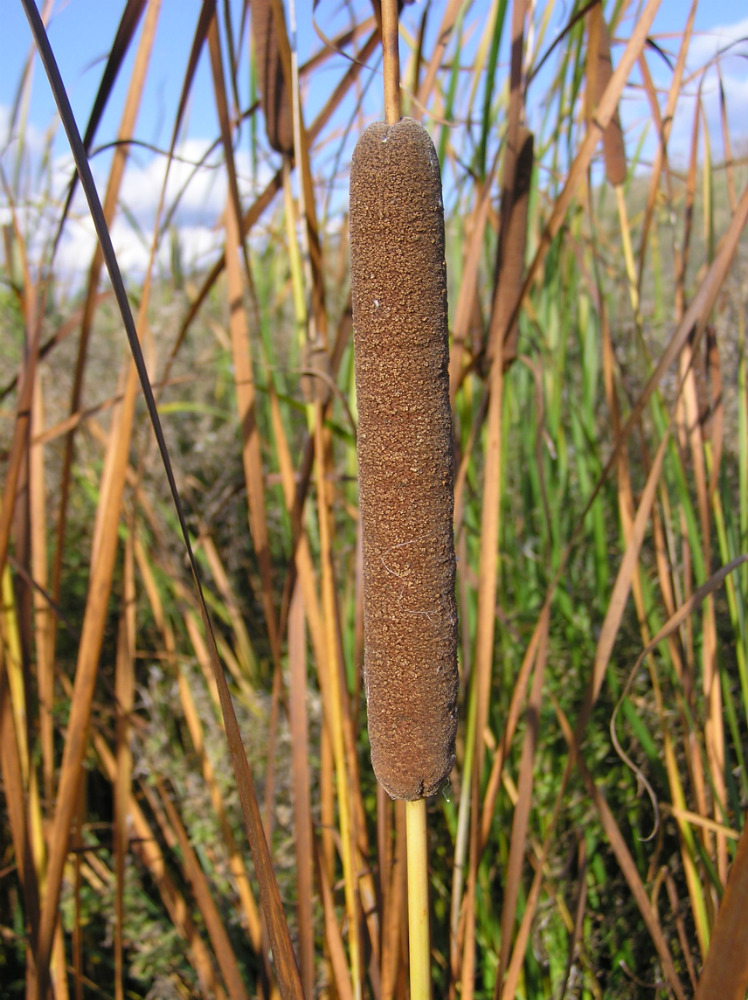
{"x": 304, "y": 324}
{"x": 12, "y": 641}
{"x": 688, "y": 849}
{"x": 628, "y": 255}
{"x": 418, "y": 900}
{"x": 336, "y": 717}
{"x": 12, "y": 644}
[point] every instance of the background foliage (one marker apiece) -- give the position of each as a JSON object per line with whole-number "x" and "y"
{"x": 583, "y": 845}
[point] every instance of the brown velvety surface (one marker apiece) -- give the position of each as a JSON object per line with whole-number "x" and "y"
{"x": 406, "y": 462}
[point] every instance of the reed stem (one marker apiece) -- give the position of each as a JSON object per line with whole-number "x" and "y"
{"x": 418, "y": 900}
{"x": 391, "y": 62}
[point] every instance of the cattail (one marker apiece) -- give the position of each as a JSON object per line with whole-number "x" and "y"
{"x": 517, "y": 183}
{"x": 599, "y": 72}
{"x": 405, "y": 453}
{"x": 275, "y": 96}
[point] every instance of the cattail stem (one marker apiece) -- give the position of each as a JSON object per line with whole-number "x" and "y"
{"x": 391, "y": 62}
{"x": 418, "y": 900}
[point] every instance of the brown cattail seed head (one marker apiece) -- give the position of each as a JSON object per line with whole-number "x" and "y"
{"x": 275, "y": 96}
{"x": 599, "y": 72}
{"x": 405, "y": 453}
{"x": 517, "y": 181}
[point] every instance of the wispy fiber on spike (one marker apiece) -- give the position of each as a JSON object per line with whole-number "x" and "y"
{"x": 406, "y": 464}
{"x": 599, "y": 72}
{"x": 275, "y": 94}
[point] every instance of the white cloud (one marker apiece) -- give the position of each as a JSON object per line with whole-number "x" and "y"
{"x": 196, "y": 184}
{"x": 706, "y": 44}
{"x": 715, "y": 56}
{"x": 201, "y": 191}
{"x": 199, "y": 246}
{"x": 36, "y": 141}
{"x": 195, "y": 199}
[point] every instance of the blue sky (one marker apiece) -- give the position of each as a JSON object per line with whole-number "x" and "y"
{"x": 81, "y": 32}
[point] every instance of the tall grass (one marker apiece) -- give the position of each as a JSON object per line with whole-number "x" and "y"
{"x": 151, "y": 732}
